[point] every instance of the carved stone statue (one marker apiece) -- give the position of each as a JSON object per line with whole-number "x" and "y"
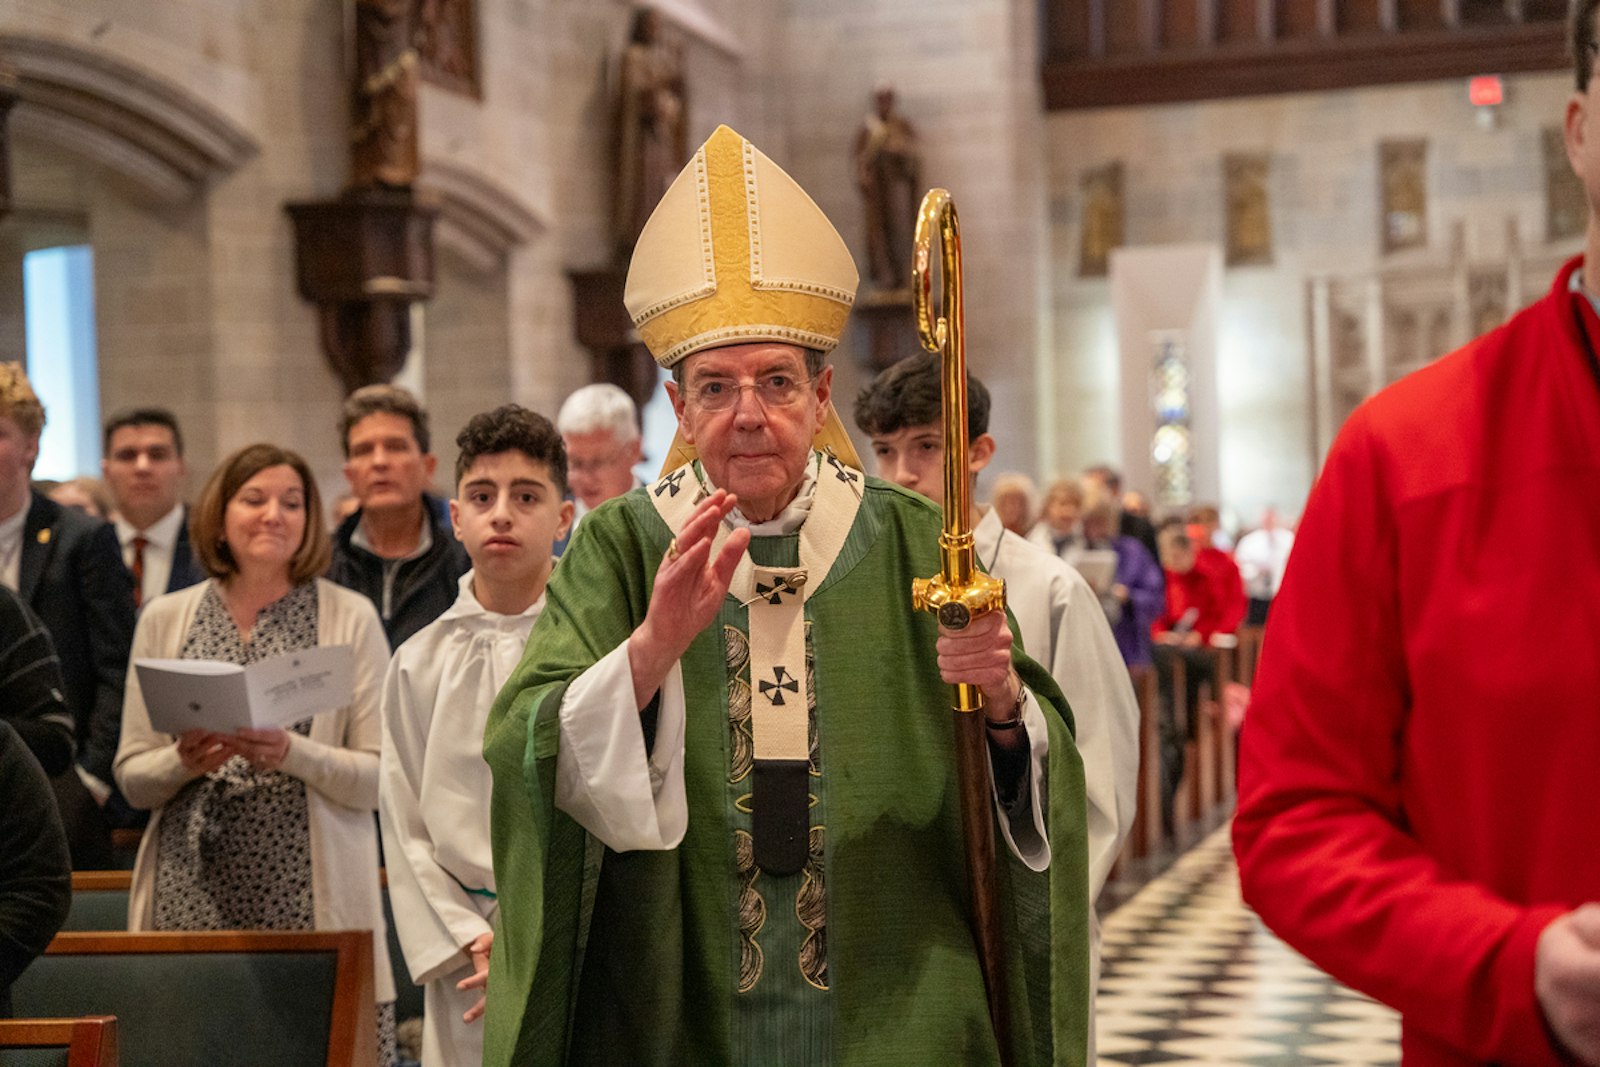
{"x": 447, "y": 44}
{"x": 652, "y": 131}
{"x": 889, "y": 174}
{"x": 383, "y": 135}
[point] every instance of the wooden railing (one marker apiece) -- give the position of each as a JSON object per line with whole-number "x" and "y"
{"x": 1209, "y": 784}
{"x": 1100, "y": 53}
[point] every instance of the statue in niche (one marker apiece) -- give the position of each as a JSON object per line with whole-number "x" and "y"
{"x": 889, "y": 175}
{"x": 1249, "y": 212}
{"x": 447, "y": 43}
{"x": 1404, "y": 182}
{"x": 383, "y": 135}
{"x": 1102, "y": 219}
{"x": 653, "y": 126}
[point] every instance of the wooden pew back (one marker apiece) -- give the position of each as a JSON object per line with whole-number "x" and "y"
{"x": 300, "y": 999}
{"x": 90, "y": 1041}
{"x": 100, "y": 902}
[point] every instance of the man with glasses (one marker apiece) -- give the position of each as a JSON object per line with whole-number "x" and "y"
{"x": 1423, "y": 732}
{"x": 725, "y": 816}
{"x": 599, "y": 425}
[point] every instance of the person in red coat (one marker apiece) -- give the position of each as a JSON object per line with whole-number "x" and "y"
{"x": 1205, "y": 592}
{"x": 1417, "y": 781}
{"x": 1205, "y": 598}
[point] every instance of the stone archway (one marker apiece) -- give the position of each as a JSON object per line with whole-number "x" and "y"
{"x": 166, "y": 142}
{"x": 480, "y": 221}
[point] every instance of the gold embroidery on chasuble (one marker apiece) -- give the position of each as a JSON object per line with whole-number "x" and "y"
{"x": 811, "y": 908}
{"x": 752, "y": 911}
{"x": 811, "y": 899}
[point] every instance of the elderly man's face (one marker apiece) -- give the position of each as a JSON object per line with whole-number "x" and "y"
{"x": 755, "y": 448}
{"x": 599, "y": 467}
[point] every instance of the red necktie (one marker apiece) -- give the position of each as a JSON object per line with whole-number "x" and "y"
{"x": 138, "y": 571}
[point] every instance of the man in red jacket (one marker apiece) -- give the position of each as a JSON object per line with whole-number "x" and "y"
{"x": 1205, "y": 598}
{"x": 1424, "y": 732}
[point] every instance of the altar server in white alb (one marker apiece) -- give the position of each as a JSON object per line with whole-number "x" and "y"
{"x": 1058, "y": 615}
{"x": 511, "y": 477}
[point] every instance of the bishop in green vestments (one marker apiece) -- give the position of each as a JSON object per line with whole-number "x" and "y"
{"x": 725, "y": 815}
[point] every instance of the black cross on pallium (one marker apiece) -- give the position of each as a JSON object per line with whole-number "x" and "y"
{"x": 843, "y": 473}
{"x": 781, "y": 680}
{"x": 774, "y": 593}
{"x": 669, "y": 484}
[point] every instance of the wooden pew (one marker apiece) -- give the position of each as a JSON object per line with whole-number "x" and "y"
{"x": 100, "y": 903}
{"x": 297, "y": 999}
{"x": 90, "y": 1041}
{"x": 1210, "y": 782}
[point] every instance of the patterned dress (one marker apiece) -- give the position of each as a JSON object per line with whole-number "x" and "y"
{"x": 235, "y": 845}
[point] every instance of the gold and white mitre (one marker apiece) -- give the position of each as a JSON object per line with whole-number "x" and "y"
{"x": 737, "y": 252}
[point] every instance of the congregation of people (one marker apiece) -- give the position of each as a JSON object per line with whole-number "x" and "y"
{"x": 664, "y": 772}
{"x": 437, "y": 595}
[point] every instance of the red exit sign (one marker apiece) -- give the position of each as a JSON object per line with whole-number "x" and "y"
{"x": 1486, "y": 90}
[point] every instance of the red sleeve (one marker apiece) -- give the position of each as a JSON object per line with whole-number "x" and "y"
{"x": 1324, "y": 857}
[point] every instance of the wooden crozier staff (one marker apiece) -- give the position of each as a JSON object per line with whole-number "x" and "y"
{"x": 960, "y": 592}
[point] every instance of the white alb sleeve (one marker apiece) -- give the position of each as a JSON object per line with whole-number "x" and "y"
{"x": 605, "y": 780}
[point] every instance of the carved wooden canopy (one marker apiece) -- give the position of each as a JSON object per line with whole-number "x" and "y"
{"x": 1102, "y": 53}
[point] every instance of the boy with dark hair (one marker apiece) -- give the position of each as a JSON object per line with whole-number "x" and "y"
{"x": 397, "y": 548}
{"x": 1058, "y": 615}
{"x": 509, "y": 509}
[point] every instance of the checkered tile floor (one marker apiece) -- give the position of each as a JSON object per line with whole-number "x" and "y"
{"x": 1190, "y": 976}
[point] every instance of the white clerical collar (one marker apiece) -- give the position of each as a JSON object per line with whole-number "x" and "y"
{"x": 790, "y": 518}
{"x": 163, "y": 533}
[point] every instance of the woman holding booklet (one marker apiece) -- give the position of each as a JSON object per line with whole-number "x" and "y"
{"x": 260, "y": 828}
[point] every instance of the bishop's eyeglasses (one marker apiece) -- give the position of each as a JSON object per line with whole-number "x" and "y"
{"x": 772, "y": 390}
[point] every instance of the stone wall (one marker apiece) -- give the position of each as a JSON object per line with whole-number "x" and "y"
{"x": 1325, "y": 208}
{"x": 965, "y": 75}
{"x": 197, "y": 305}
{"x": 196, "y": 300}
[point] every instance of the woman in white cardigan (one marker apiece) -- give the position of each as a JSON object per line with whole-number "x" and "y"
{"x": 261, "y": 829}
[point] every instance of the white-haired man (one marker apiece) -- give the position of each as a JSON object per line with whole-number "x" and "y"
{"x": 599, "y": 424}
{"x": 725, "y": 812}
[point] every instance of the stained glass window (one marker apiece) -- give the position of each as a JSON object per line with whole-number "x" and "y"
{"x": 1171, "y": 451}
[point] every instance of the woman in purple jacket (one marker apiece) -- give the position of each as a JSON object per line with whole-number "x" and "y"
{"x": 1138, "y": 590}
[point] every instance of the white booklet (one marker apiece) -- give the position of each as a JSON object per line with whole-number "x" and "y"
{"x": 189, "y": 694}
{"x": 1098, "y": 567}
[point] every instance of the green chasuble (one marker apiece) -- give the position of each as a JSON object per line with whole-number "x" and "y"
{"x": 693, "y": 955}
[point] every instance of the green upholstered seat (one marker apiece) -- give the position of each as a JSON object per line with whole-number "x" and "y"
{"x": 200, "y": 1008}
{"x": 98, "y": 909}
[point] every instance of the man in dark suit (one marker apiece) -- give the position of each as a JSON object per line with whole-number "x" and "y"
{"x": 68, "y": 568}
{"x": 143, "y": 467}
